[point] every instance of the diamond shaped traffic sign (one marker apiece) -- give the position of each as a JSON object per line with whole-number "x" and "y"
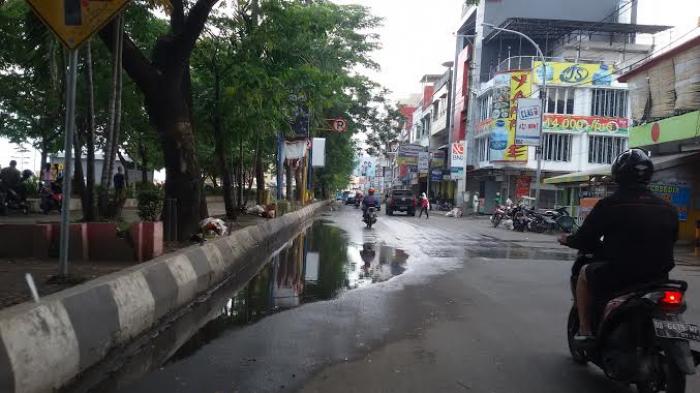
{"x": 74, "y": 21}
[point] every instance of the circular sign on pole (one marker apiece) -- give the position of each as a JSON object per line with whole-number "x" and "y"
{"x": 340, "y": 125}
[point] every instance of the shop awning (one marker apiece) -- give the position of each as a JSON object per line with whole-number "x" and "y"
{"x": 660, "y": 162}
{"x": 579, "y": 177}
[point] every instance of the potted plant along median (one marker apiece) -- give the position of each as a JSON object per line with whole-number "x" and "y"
{"x": 147, "y": 234}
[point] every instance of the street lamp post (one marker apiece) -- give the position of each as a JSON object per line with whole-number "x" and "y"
{"x": 543, "y": 97}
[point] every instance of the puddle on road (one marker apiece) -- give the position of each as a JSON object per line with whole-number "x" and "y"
{"x": 319, "y": 264}
{"x": 520, "y": 252}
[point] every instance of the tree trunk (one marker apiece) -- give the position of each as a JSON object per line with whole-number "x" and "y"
{"x": 260, "y": 179}
{"x": 164, "y": 81}
{"x": 299, "y": 186}
{"x": 220, "y": 151}
{"x": 89, "y": 212}
{"x": 110, "y": 137}
{"x": 239, "y": 175}
{"x": 125, "y": 166}
{"x": 79, "y": 179}
{"x": 44, "y": 156}
{"x": 288, "y": 182}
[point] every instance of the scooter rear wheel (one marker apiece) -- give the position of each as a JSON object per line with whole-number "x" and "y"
{"x": 577, "y": 354}
{"x": 673, "y": 378}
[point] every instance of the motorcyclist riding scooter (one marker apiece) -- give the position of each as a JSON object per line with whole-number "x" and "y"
{"x": 369, "y": 201}
{"x": 627, "y": 316}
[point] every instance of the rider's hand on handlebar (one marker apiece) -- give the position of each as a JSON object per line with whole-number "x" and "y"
{"x": 563, "y": 239}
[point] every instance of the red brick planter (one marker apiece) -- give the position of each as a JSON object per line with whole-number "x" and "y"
{"x": 147, "y": 238}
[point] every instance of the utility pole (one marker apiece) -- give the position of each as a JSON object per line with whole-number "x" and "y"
{"x": 543, "y": 97}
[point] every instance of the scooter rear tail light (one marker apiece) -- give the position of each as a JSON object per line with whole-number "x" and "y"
{"x": 672, "y": 298}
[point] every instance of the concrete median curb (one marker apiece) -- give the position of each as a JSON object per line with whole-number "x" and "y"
{"x": 45, "y": 345}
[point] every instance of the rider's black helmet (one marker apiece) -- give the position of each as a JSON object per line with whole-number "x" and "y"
{"x": 26, "y": 174}
{"x": 632, "y": 168}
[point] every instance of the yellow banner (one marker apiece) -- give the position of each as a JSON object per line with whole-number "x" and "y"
{"x": 557, "y": 73}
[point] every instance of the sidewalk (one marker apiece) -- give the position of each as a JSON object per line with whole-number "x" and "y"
{"x": 684, "y": 254}
{"x": 14, "y": 288}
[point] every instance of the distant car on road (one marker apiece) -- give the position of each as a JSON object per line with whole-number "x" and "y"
{"x": 401, "y": 201}
{"x": 350, "y": 200}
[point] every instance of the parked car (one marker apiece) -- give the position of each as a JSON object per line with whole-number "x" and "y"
{"x": 350, "y": 200}
{"x": 401, "y": 201}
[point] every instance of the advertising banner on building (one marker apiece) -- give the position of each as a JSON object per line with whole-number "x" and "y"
{"x": 678, "y": 196}
{"x": 408, "y": 154}
{"x": 508, "y": 88}
{"x": 561, "y": 73}
{"x": 437, "y": 159}
{"x": 423, "y": 161}
{"x": 500, "y": 111}
{"x": 436, "y": 175}
{"x": 458, "y": 160}
{"x": 522, "y": 187}
{"x": 527, "y": 126}
{"x": 574, "y": 123}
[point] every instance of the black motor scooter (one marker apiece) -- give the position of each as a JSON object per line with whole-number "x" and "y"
{"x": 11, "y": 198}
{"x": 640, "y": 336}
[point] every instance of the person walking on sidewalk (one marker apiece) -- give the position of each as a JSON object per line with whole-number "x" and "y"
{"x": 424, "y": 206}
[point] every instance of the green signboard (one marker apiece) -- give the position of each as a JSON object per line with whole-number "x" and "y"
{"x": 675, "y": 128}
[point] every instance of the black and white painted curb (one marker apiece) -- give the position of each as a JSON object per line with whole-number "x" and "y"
{"x": 44, "y": 345}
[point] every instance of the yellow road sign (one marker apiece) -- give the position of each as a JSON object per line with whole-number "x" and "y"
{"x": 74, "y": 21}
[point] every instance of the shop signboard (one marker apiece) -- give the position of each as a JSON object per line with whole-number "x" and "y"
{"x": 423, "y": 161}
{"x": 408, "y": 154}
{"x": 677, "y": 195}
{"x": 438, "y": 159}
{"x": 564, "y": 73}
{"x": 527, "y": 131}
{"x": 436, "y": 175}
{"x": 674, "y": 128}
{"x": 458, "y": 160}
{"x": 588, "y": 124}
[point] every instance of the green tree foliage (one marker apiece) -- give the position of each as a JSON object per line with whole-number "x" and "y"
{"x": 31, "y": 80}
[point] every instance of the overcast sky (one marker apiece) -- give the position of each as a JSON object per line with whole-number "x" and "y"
{"x": 417, "y": 38}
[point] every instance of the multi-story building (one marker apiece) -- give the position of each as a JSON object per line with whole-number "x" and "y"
{"x": 586, "y": 120}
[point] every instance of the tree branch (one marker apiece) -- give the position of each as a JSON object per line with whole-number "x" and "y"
{"x": 177, "y": 16}
{"x": 194, "y": 24}
{"x": 134, "y": 62}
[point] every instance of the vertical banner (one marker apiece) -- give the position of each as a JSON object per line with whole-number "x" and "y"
{"x": 458, "y": 160}
{"x": 520, "y": 87}
{"x": 522, "y": 187}
{"x": 318, "y": 153}
{"x": 500, "y": 110}
{"x": 527, "y": 130}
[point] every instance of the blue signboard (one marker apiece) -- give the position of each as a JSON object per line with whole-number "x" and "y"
{"x": 436, "y": 175}
{"x": 678, "y": 196}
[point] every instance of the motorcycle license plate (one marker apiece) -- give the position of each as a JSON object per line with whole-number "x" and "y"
{"x": 670, "y": 329}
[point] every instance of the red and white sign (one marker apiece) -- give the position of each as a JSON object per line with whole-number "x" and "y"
{"x": 339, "y": 125}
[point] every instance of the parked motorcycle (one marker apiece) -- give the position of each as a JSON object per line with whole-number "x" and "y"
{"x": 563, "y": 220}
{"x": 640, "y": 337}
{"x": 11, "y": 198}
{"x": 51, "y": 197}
{"x": 499, "y": 213}
{"x": 370, "y": 217}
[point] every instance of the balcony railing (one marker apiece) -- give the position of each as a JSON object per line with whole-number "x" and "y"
{"x": 525, "y": 63}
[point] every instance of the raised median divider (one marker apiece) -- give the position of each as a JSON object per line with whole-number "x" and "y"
{"x": 45, "y": 345}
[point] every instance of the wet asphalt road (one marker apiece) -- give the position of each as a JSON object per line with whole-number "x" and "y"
{"x": 456, "y": 307}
